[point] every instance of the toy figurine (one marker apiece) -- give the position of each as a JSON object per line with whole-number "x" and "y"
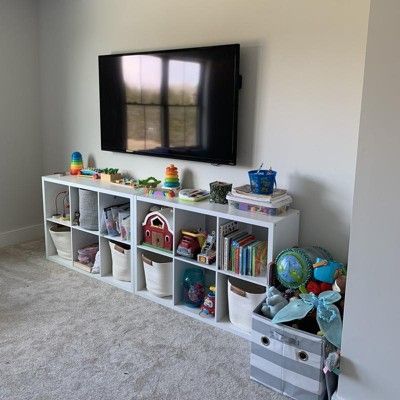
{"x": 273, "y": 303}
{"x": 76, "y": 218}
{"x": 207, "y": 254}
{"x": 208, "y": 307}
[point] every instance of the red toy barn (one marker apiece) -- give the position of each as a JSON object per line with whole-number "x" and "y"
{"x": 157, "y": 228}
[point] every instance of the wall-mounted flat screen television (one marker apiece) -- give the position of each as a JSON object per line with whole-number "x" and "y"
{"x": 171, "y": 103}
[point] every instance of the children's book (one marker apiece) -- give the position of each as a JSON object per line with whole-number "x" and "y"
{"x": 224, "y": 230}
{"x": 227, "y": 247}
{"x": 236, "y": 245}
{"x": 245, "y": 192}
{"x": 260, "y": 258}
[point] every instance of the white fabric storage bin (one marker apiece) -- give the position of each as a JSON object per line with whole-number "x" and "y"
{"x": 243, "y": 297}
{"x": 88, "y": 211}
{"x": 121, "y": 262}
{"x": 61, "y": 236}
{"x": 158, "y": 274}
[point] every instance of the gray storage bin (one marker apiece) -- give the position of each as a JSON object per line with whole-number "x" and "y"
{"x": 88, "y": 210}
{"x": 288, "y": 360}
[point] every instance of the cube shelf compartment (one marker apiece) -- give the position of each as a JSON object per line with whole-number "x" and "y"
{"x": 280, "y": 232}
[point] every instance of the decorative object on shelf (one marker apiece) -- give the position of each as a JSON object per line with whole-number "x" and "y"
{"x": 193, "y": 287}
{"x": 285, "y": 345}
{"x": 76, "y": 163}
{"x": 150, "y": 182}
{"x": 262, "y": 181}
{"x": 208, "y": 253}
{"x": 171, "y": 179}
{"x": 208, "y": 307}
{"x": 64, "y": 196}
{"x": 157, "y": 228}
{"x": 294, "y": 266}
{"x": 158, "y": 272}
{"x": 328, "y": 315}
{"x": 193, "y": 194}
{"x": 88, "y": 210}
{"x": 273, "y": 303}
{"x": 110, "y": 174}
{"x": 190, "y": 243}
{"x": 61, "y": 236}
{"x": 243, "y": 297}
{"x": 218, "y": 192}
{"x": 121, "y": 265}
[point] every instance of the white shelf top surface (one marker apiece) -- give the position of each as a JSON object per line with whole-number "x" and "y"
{"x": 203, "y": 207}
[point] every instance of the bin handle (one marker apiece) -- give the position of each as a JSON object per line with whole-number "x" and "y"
{"x": 147, "y": 260}
{"x": 238, "y": 291}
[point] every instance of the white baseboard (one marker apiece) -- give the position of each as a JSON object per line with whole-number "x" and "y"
{"x": 21, "y": 235}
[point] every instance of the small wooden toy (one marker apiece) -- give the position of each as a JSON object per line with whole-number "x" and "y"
{"x": 208, "y": 254}
{"x": 76, "y": 163}
{"x": 150, "y": 182}
{"x": 171, "y": 180}
{"x": 157, "y": 228}
{"x": 110, "y": 174}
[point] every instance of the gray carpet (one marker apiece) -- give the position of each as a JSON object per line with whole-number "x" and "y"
{"x": 66, "y": 336}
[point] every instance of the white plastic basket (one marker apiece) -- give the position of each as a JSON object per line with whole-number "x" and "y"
{"x": 243, "y": 297}
{"x": 158, "y": 274}
{"x": 61, "y": 236}
{"x": 121, "y": 262}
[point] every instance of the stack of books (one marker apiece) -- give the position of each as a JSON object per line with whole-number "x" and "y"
{"x": 241, "y": 252}
{"x": 243, "y": 199}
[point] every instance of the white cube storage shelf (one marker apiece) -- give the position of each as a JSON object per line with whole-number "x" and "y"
{"x": 280, "y": 232}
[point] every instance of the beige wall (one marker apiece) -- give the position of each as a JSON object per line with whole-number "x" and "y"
{"x": 20, "y": 137}
{"x": 302, "y": 64}
{"x": 372, "y": 318}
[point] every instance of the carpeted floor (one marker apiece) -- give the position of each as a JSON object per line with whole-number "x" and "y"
{"x": 66, "y": 336}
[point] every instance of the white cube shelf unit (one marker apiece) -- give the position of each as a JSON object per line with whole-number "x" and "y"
{"x": 280, "y": 232}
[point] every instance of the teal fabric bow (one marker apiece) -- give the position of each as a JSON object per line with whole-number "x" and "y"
{"x": 328, "y": 315}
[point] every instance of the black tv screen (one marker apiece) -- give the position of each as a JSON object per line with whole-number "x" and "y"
{"x": 171, "y": 103}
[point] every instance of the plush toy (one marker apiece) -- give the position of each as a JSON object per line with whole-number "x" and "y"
{"x": 324, "y": 270}
{"x": 317, "y": 287}
{"x": 327, "y": 314}
{"x": 273, "y": 303}
{"x": 340, "y": 282}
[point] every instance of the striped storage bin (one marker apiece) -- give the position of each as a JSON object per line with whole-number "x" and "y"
{"x": 288, "y": 360}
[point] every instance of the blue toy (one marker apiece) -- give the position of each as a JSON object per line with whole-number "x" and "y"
{"x": 273, "y": 303}
{"x": 328, "y": 315}
{"x": 324, "y": 270}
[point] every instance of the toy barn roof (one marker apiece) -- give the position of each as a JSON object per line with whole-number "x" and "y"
{"x": 165, "y": 214}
